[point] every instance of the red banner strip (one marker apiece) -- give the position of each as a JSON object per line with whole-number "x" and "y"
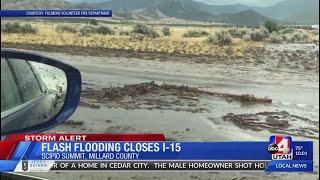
{"x": 7, "y": 148}
{"x": 85, "y": 137}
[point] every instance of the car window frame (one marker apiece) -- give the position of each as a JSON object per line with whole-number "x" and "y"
{"x": 19, "y": 83}
{"x": 72, "y": 98}
{"x": 42, "y": 85}
{"x": 24, "y": 103}
{"x": 39, "y": 80}
{"x": 15, "y": 82}
{"x": 15, "y": 109}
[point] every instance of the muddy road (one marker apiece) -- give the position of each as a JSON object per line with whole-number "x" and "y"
{"x": 294, "y": 109}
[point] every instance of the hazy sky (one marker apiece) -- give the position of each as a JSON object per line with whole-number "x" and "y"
{"x": 245, "y": 2}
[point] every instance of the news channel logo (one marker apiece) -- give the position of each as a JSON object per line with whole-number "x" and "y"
{"x": 281, "y": 147}
{"x": 24, "y": 165}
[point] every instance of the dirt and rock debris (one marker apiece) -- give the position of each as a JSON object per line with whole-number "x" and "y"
{"x": 273, "y": 56}
{"x": 280, "y": 122}
{"x": 292, "y": 56}
{"x": 150, "y": 95}
{"x": 73, "y": 123}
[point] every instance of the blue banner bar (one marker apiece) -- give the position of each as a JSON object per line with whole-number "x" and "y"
{"x": 299, "y": 158}
{"x": 290, "y": 166}
{"x": 8, "y": 166}
{"x": 161, "y": 150}
{"x": 56, "y": 13}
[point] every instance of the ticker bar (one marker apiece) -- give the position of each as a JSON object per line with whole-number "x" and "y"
{"x": 160, "y": 165}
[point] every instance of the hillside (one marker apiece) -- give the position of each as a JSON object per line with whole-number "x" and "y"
{"x": 36, "y": 4}
{"x": 86, "y": 1}
{"x": 182, "y": 9}
{"x": 304, "y": 17}
{"x": 6, "y": 2}
{"x": 223, "y": 9}
{"x": 260, "y": 3}
{"x": 247, "y": 17}
{"x": 185, "y": 9}
{"x": 295, "y": 11}
{"x": 288, "y": 11}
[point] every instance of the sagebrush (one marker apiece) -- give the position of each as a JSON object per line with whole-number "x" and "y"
{"x": 145, "y": 30}
{"x": 220, "y": 38}
{"x": 193, "y": 33}
{"x": 18, "y": 28}
{"x": 166, "y": 31}
{"x": 66, "y": 28}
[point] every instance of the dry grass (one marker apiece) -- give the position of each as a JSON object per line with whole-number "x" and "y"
{"x": 175, "y": 43}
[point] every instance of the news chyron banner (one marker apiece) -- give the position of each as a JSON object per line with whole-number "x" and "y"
{"x": 150, "y": 152}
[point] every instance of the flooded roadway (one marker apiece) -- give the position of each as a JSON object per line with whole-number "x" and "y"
{"x": 293, "y": 91}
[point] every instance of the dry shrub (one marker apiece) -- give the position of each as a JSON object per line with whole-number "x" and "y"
{"x": 238, "y": 32}
{"x": 66, "y": 28}
{"x": 193, "y": 33}
{"x": 246, "y": 37}
{"x": 258, "y": 34}
{"x": 220, "y": 38}
{"x": 103, "y": 30}
{"x": 166, "y": 31}
{"x": 286, "y": 31}
{"x": 144, "y": 30}
{"x": 275, "y": 38}
{"x": 18, "y": 28}
{"x": 124, "y": 33}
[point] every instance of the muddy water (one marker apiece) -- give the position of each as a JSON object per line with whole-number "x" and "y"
{"x": 293, "y": 90}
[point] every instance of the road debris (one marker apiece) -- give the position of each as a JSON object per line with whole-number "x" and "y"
{"x": 150, "y": 95}
{"x": 120, "y": 129}
{"x": 73, "y": 123}
{"x": 88, "y": 104}
{"x": 276, "y": 122}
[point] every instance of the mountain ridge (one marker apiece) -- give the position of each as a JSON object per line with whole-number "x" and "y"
{"x": 246, "y": 17}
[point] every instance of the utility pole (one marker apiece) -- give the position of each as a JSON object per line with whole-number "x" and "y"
{"x": 186, "y": 25}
